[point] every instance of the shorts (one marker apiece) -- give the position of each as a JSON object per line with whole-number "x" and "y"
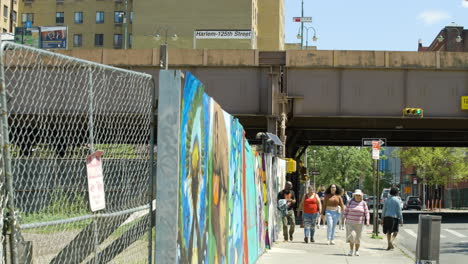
{"x": 390, "y": 225}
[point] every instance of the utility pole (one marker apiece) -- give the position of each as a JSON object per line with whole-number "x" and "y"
{"x": 376, "y": 199}
{"x": 125, "y": 22}
{"x": 302, "y": 26}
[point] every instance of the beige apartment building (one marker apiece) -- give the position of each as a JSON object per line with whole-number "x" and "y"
{"x": 9, "y": 18}
{"x": 150, "y": 23}
{"x": 91, "y": 23}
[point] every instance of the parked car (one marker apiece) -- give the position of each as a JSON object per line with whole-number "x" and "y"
{"x": 383, "y": 196}
{"x": 370, "y": 201}
{"x": 412, "y": 202}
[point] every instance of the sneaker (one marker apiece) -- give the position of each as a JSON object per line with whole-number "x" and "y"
{"x": 312, "y": 240}
{"x": 318, "y": 226}
{"x": 332, "y": 242}
{"x": 350, "y": 253}
{"x": 328, "y": 242}
{"x": 356, "y": 253}
{"x": 306, "y": 239}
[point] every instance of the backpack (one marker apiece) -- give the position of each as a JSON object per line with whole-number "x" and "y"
{"x": 283, "y": 207}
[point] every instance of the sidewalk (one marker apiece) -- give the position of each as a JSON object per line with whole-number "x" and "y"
{"x": 372, "y": 251}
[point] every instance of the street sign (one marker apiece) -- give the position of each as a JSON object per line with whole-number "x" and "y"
{"x": 302, "y": 19}
{"x": 367, "y": 142}
{"x": 223, "y": 34}
{"x": 315, "y": 172}
{"x": 464, "y": 102}
{"x": 376, "y": 149}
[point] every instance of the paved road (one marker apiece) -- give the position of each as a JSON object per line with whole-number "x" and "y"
{"x": 453, "y": 241}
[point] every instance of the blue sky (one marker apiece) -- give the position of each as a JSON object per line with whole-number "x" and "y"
{"x": 374, "y": 24}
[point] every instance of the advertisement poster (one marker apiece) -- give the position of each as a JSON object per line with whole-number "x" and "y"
{"x": 97, "y": 199}
{"x": 29, "y": 36}
{"x": 54, "y": 37}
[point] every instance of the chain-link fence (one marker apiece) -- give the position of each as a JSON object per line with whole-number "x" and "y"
{"x": 58, "y": 111}
{"x": 2, "y": 199}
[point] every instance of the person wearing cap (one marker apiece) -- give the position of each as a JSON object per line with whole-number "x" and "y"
{"x": 356, "y": 215}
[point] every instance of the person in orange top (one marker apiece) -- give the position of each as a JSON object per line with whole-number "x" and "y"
{"x": 311, "y": 207}
{"x": 332, "y": 201}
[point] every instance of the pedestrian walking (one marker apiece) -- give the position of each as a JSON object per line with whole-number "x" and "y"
{"x": 356, "y": 215}
{"x": 345, "y": 198}
{"x": 391, "y": 216}
{"x": 321, "y": 194}
{"x": 289, "y": 217}
{"x": 311, "y": 206}
{"x": 332, "y": 201}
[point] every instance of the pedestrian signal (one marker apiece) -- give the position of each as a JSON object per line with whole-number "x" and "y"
{"x": 413, "y": 112}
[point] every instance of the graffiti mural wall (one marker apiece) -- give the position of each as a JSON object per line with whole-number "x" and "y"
{"x": 227, "y": 195}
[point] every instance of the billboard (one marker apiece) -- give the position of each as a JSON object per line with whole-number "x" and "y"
{"x": 54, "y": 37}
{"x": 29, "y": 36}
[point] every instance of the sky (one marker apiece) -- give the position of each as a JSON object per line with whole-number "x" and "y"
{"x": 374, "y": 24}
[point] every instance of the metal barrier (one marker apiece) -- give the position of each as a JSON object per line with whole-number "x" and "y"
{"x": 56, "y": 110}
{"x": 428, "y": 242}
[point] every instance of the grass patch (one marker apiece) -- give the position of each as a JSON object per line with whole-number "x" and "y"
{"x": 375, "y": 236}
{"x": 62, "y": 207}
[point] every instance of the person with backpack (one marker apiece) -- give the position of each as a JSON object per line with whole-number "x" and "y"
{"x": 288, "y": 194}
{"x": 346, "y": 199}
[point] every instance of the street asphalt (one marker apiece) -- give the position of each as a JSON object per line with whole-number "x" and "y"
{"x": 453, "y": 242}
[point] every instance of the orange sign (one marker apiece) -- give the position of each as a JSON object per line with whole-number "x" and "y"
{"x": 407, "y": 190}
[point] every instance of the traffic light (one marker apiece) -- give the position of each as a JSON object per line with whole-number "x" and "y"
{"x": 413, "y": 112}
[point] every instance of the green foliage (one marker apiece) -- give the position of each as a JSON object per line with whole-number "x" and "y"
{"x": 437, "y": 165}
{"x": 341, "y": 165}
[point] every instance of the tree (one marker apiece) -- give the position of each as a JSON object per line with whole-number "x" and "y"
{"x": 436, "y": 165}
{"x": 340, "y": 165}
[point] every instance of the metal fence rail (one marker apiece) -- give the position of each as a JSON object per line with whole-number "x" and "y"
{"x": 58, "y": 111}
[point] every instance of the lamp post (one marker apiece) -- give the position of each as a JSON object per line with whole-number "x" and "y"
{"x": 163, "y": 48}
{"x": 302, "y": 25}
{"x": 314, "y": 38}
{"x": 315, "y": 168}
{"x": 458, "y": 39}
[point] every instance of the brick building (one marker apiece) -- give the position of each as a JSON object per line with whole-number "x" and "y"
{"x": 451, "y": 38}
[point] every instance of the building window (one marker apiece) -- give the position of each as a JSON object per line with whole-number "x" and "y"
{"x": 5, "y": 11}
{"x": 27, "y": 17}
{"x": 118, "y": 41}
{"x": 99, "y": 17}
{"x": 14, "y": 16}
{"x": 77, "y": 40}
{"x": 99, "y": 40}
{"x": 130, "y": 40}
{"x": 59, "y": 17}
{"x": 78, "y": 17}
{"x": 118, "y": 17}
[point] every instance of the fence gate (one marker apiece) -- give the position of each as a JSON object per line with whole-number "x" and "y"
{"x": 57, "y": 110}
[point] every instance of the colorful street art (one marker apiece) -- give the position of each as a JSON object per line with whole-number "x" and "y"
{"x": 227, "y": 195}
